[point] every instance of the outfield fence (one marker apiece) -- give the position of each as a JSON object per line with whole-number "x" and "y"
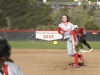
{"x": 30, "y": 35}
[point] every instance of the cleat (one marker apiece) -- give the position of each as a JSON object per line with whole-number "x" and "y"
{"x": 90, "y": 50}
{"x": 75, "y": 66}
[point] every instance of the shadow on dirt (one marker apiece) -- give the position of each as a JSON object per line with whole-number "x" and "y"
{"x": 80, "y": 64}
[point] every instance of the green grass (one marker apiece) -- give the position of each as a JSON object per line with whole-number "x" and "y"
{"x": 46, "y": 45}
{"x": 37, "y": 45}
{"x": 94, "y": 44}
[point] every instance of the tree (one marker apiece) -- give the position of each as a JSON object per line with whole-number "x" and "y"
{"x": 81, "y": 17}
{"x": 2, "y": 21}
{"x": 90, "y": 25}
{"x": 13, "y": 9}
{"x": 24, "y": 14}
{"x": 38, "y": 14}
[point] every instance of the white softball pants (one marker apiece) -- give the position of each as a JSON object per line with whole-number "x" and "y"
{"x": 70, "y": 46}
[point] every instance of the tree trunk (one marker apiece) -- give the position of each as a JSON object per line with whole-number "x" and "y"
{"x": 8, "y": 21}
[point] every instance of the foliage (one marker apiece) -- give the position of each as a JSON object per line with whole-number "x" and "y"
{"x": 2, "y": 21}
{"x": 26, "y": 15}
{"x": 90, "y": 25}
{"x": 81, "y": 17}
{"x": 92, "y": 0}
{"x": 84, "y": 6}
{"x": 31, "y": 14}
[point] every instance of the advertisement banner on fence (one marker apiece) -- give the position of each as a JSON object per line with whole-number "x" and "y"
{"x": 48, "y": 35}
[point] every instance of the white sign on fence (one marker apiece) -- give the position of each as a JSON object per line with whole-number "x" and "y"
{"x": 48, "y": 35}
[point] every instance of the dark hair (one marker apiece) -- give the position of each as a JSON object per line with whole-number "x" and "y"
{"x": 66, "y": 16}
{"x": 5, "y": 51}
{"x": 5, "y": 48}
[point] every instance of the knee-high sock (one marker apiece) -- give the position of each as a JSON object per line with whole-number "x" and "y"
{"x": 76, "y": 58}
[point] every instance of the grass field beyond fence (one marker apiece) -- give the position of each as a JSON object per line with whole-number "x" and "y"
{"x": 47, "y": 45}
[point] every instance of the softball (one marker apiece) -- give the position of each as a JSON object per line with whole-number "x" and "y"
{"x": 55, "y": 42}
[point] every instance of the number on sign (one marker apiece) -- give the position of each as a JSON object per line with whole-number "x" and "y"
{"x": 48, "y": 36}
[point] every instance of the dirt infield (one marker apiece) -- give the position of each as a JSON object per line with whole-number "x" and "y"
{"x": 55, "y": 62}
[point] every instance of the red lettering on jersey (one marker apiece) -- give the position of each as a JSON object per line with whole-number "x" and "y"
{"x": 66, "y": 30}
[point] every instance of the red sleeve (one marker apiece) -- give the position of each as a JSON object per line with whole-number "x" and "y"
{"x": 74, "y": 35}
{"x": 59, "y": 29}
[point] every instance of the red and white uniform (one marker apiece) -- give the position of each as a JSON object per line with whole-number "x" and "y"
{"x": 80, "y": 32}
{"x": 12, "y": 69}
{"x": 69, "y": 35}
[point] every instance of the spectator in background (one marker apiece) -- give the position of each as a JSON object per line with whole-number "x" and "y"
{"x": 7, "y": 66}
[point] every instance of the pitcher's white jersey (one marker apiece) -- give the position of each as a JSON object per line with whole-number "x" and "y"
{"x": 12, "y": 69}
{"x": 66, "y": 28}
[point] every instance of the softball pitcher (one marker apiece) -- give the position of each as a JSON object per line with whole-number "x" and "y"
{"x": 67, "y": 29}
{"x": 7, "y": 66}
